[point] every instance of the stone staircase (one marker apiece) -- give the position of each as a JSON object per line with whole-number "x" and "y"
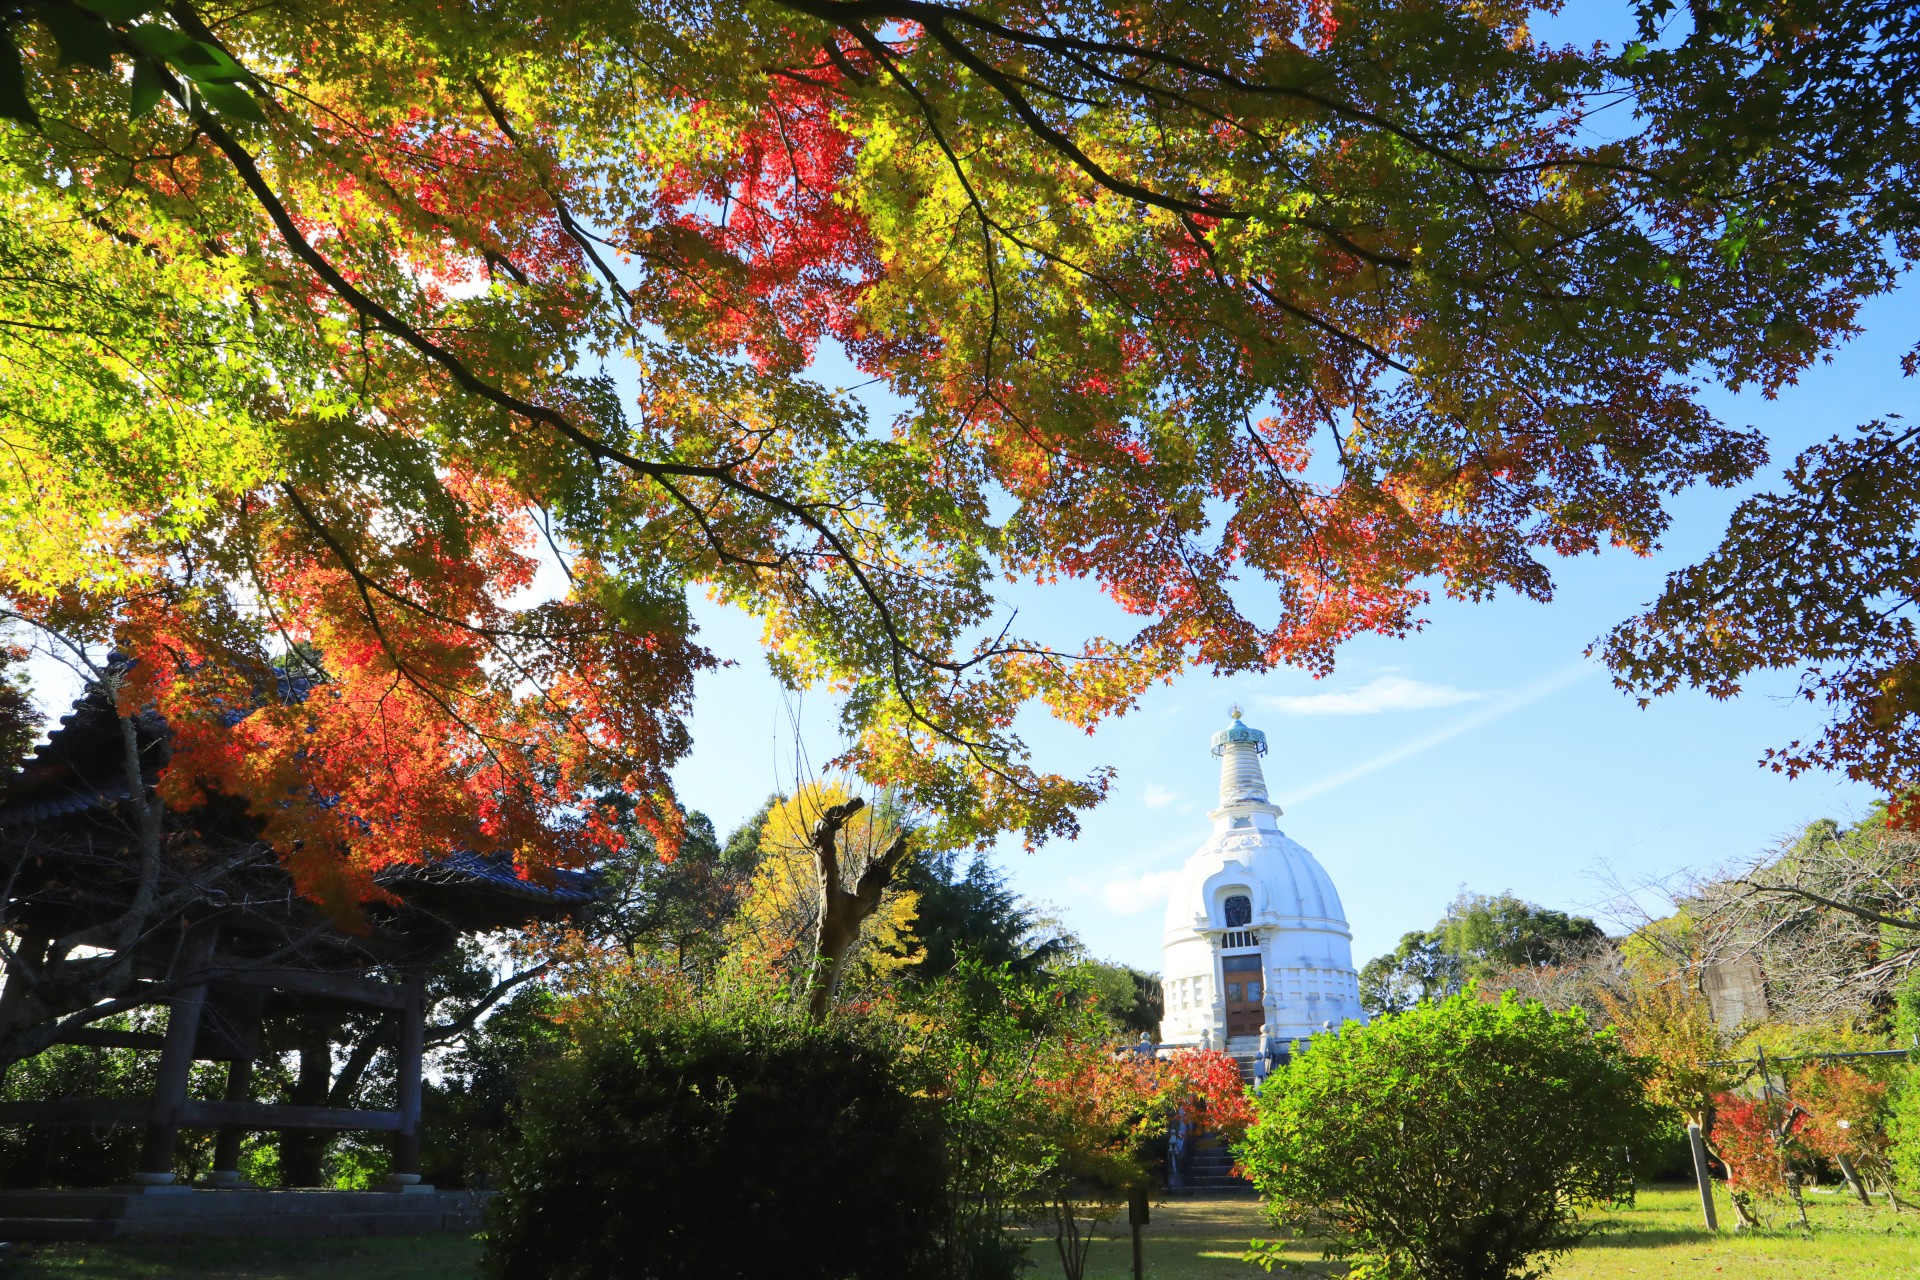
{"x": 1244, "y": 1050}
{"x": 187, "y": 1214}
{"x": 1209, "y": 1169}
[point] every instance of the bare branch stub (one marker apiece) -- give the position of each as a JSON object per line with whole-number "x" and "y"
{"x": 1832, "y": 919}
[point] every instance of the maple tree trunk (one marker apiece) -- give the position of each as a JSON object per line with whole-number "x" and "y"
{"x": 1072, "y": 1243}
{"x": 58, "y": 982}
{"x": 17, "y": 1010}
{"x": 1743, "y": 1212}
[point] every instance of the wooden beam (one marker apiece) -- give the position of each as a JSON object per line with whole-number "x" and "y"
{"x": 272, "y": 1115}
{"x": 87, "y": 1111}
{"x": 111, "y": 1038}
{"x": 332, "y": 986}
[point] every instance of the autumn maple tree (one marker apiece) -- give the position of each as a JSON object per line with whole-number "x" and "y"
{"x": 1845, "y": 1121}
{"x": 328, "y": 325}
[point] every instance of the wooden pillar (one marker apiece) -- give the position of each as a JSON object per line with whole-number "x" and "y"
{"x": 409, "y": 1058}
{"x": 303, "y": 1151}
{"x": 1137, "y": 1219}
{"x": 176, "y": 1062}
{"x": 226, "y": 1145}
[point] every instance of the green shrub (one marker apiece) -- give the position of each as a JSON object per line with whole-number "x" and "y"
{"x": 702, "y": 1143}
{"x": 1456, "y": 1141}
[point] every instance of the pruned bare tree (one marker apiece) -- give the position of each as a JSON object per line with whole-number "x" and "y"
{"x": 1580, "y": 976}
{"x": 1831, "y": 917}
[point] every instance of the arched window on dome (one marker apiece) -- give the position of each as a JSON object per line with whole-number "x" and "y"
{"x": 1239, "y": 911}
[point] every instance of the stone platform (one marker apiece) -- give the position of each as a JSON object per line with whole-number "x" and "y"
{"x": 123, "y": 1214}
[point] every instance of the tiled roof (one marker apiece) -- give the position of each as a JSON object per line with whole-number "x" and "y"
{"x": 563, "y": 888}
{"x": 59, "y": 806}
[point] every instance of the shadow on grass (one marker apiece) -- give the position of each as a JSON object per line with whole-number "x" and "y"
{"x": 1630, "y": 1237}
{"x": 447, "y": 1256}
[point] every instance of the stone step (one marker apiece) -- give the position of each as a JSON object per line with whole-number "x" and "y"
{"x": 1235, "y": 1190}
{"x": 74, "y": 1215}
{"x": 83, "y": 1229}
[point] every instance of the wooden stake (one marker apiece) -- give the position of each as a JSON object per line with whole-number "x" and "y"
{"x": 1702, "y": 1174}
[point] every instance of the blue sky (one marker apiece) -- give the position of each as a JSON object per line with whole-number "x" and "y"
{"x": 1483, "y": 751}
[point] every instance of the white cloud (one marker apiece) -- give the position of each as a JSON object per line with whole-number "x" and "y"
{"x": 1158, "y": 797}
{"x": 1382, "y": 693}
{"x": 1131, "y": 896}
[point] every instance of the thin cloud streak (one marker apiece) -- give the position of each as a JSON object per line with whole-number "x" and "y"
{"x": 1542, "y": 688}
{"x": 1383, "y": 693}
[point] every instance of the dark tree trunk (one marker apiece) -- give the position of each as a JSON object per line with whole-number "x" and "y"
{"x": 843, "y": 911}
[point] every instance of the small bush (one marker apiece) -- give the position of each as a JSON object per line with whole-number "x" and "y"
{"x": 1456, "y": 1141}
{"x": 702, "y": 1144}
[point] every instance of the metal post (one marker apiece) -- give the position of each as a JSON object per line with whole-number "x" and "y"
{"x": 176, "y": 1064}
{"x": 1702, "y": 1174}
{"x": 1137, "y": 1218}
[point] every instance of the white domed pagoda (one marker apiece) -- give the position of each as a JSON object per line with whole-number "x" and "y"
{"x": 1256, "y": 938}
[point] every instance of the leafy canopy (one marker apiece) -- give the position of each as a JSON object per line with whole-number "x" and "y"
{"x": 329, "y": 324}
{"x": 1795, "y": 118}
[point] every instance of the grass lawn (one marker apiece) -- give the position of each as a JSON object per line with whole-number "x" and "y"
{"x": 1189, "y": 1240}
{"x": 1659, "y": 1237}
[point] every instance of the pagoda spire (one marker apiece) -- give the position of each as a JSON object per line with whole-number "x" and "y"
{"x": 1240, "y": 748}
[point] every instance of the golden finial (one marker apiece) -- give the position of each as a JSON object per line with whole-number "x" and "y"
{"x": 1234, "y": 711}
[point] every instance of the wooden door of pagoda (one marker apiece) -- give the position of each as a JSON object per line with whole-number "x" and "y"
{"x": 1246, "y": 1008}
